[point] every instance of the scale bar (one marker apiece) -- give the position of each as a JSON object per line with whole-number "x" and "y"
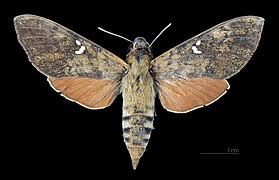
{"x": 221, "y": 153}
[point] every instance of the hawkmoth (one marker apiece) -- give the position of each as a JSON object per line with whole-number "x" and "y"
{"x": 191, "y": 75}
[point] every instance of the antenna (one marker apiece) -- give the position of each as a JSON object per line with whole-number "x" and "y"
{"x": 115, "y": 34}
{"x": 159, "y": 34}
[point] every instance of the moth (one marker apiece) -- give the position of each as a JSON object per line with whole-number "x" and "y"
{"x": 189, "y": 76}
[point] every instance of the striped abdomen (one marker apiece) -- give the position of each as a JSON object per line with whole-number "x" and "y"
{"x": 138, "y": 110}
{"x": 136, "y": 133}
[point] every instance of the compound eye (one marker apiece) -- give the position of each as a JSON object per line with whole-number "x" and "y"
{"x": 130, "y": 47}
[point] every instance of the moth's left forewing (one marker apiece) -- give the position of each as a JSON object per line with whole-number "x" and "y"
{"x": 79, "y": 69}
{"x": 198, "y": 67}
{"x": 57, "y": 51}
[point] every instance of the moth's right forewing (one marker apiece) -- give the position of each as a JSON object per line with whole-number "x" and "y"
{"x": 193, "y": 73}
{"x": 59, "y": 52}
{"x": 219, "y": 52}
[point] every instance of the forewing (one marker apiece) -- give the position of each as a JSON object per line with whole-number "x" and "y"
{"x": 88, "y": 92}
{"x": 219, "y": 52}
{"x": 184, "y": 95}
{"x": 193, "y": 73}
{"x": 81, "y": 70}
{"x": 59, "y": 52}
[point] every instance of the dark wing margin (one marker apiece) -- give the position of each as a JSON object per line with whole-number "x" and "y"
{"x": 219, "y": 52}
{"x": 59, "y": 52}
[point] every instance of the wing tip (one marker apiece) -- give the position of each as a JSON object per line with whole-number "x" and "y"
{"x": 258, "y": 20}
{"x": 17, "y": 18}
{"x": 25, "y": 15}
{"x": 252, "y": 16}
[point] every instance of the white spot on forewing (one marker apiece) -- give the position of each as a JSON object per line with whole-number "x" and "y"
{"x": 78, "y": 42}
{"x": 81, "y": 50}
{"x": 195, "y": 50}
{"x": 198, "y": 42}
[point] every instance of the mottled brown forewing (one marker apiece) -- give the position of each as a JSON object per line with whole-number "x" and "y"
{"x": 59, "y": 52}
{"x": 219, "y": 52}
{"x": 193, "y": 73}
{"x": 81, "y": 70}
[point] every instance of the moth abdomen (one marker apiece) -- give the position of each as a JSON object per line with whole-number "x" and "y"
{"x": 137, "y": 129}
{"x": 136, "y": 132}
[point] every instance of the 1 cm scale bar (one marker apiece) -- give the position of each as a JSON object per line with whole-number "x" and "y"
{"x": 221, "y": 153}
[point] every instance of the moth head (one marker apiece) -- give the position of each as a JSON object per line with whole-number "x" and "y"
{"x": 141, "y": 43}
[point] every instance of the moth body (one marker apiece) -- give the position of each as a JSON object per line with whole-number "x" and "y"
{"x": 138, "y": 100}
{"x": 190, "y": 75}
